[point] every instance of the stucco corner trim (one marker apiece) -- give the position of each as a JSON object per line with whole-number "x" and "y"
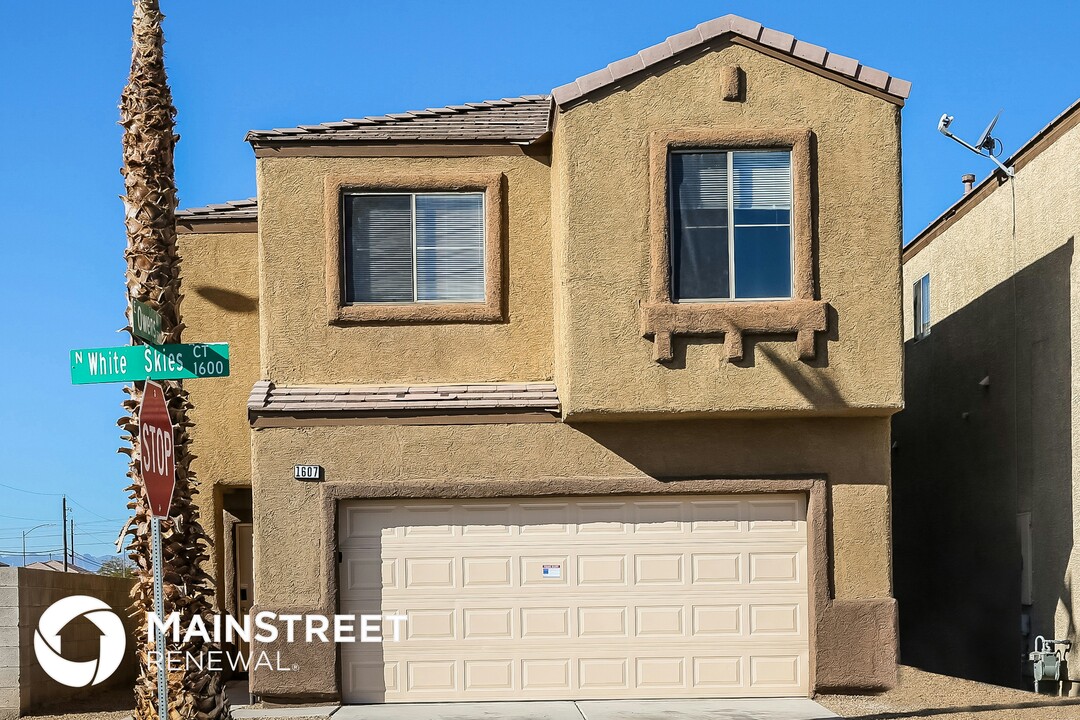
{"x": 491, "y": 310}
{"x": 857, "y": 645}
{"x": 803, "y": 314}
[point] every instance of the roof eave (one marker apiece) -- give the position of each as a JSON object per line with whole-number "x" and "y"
{"x": 742, "y": 31}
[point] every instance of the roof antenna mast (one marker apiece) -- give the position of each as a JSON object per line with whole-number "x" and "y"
{"x": 986, "y": 145}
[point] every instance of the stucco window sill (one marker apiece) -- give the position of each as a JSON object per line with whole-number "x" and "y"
{"x": 662, "y": 321}
{"x": 434, "y": 313}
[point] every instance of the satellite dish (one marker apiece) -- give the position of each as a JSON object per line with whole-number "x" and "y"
{"x": 984, "y": 147}
{"x": 986, "y": 142}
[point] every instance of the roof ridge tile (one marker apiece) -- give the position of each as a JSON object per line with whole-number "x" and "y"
{"x": 783, "y": 42}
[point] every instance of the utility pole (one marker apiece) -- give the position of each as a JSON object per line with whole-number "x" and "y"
{"x": 73, "y": 540}
{"x": 63, "y": 528}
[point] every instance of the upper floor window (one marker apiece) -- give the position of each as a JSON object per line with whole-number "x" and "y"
{"x": 414, "y": 247}
{"x": 730, "y": 220}
{"x": 920, "y": 293}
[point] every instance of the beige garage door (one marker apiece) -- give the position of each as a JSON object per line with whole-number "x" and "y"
{"x": 571, "y": 598}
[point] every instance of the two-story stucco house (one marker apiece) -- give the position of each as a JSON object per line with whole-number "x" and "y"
{"x": 987, "y": 460}
{"x": 600, "y": 382}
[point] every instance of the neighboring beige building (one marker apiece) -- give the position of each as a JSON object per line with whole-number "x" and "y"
{"x": 987, "y": 459}
{"x": 600, "y": 382}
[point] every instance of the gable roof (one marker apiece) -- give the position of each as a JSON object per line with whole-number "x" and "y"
{"x": 739, "y": 27}
{"x": 518, "y": 120}
{"x": 527, "y": 119}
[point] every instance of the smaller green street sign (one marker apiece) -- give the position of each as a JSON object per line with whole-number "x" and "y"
{"x": 146, "y": 322}
{"x": 128, "y": 363}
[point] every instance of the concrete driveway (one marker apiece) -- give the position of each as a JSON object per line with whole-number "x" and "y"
{"x": 785, "y": 709}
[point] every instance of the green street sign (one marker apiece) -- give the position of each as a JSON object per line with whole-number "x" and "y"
{"x": 145, "y": 322}
{"x": 149, "y": 362}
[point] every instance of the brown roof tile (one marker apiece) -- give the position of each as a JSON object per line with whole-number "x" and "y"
{"x": 519, "y": 120}
{"x": 232, "y": 210}
{"x": 733, "y": 24}
{"x": 266, "y": 398}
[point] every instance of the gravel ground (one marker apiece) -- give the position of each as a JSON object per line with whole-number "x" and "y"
{"x": 919, "y": 695}
{"x": 927, "y": 695}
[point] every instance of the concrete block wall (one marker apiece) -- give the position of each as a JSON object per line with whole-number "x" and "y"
{"x": 24, "y": 596}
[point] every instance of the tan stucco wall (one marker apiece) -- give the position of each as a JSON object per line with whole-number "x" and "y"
{"x": 601, "y": 246}
{"x": 536, "y": 459}
{"x": 221, "y": 300}
{"x": 971, "y": 267}
{"x": 300, "y": 346}
{"x": 977, "y": 252}
{"x": 851, "y": 453}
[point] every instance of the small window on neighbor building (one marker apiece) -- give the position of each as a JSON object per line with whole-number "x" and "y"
{"x": 921, "y": 295}
{"x": 730, "y": 220}
{"x": 414, "y": 247}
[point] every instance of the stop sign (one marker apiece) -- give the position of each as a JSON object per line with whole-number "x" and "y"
{"x": 157, "y": 460}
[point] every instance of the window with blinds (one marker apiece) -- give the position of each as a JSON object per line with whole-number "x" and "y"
{"x": 414, "y": 247}
{"x": 730, "y": 220}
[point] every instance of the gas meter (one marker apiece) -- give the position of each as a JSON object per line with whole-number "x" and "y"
{"x": 1048, "y": 660}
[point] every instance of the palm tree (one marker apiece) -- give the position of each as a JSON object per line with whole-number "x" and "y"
{"x": 153, "y": 277}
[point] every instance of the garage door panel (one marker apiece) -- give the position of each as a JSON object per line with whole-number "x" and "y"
{"x": 544, "y": 519}
{"x": 602, "y": 622}
{"x": 545, "y": 675}
{"x": 659, "y": 569}
{"x": 578, "y": 598}
{"x": 775, "y": 671}
{"x": 606, "y": 518}
{"x": 544, "y": 622}
{"x": 606, "y": 570}
{"x": 488, "y": 624}
{"x": 592, "y": 675}
{"x": 486, "y": 572}
{"x": 659, "y": 621}
{"x": 775, "y": 567}
{"x": 430, "y": 573}
{"x": 754, "y": 615}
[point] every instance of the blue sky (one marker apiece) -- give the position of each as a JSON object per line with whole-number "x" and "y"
{"x": 240, "y": 64}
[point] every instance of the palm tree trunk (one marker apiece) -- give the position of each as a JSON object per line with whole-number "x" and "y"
{"x": 153, "y": 277}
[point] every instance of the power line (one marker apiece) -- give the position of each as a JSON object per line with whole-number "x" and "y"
{"x": 31, "y": 492}
{"x": 78, "y": 504}
{"x": 16, "y": 528}
{"x": 34, "y": 492}
{"x": 84, "y": 532}
{"x": 31, "y": 551}
{"x": 15, "y": 517}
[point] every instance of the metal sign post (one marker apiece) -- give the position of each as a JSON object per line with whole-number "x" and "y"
{"x": 159, "y": 610}
{"x": 157, "y": 466}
